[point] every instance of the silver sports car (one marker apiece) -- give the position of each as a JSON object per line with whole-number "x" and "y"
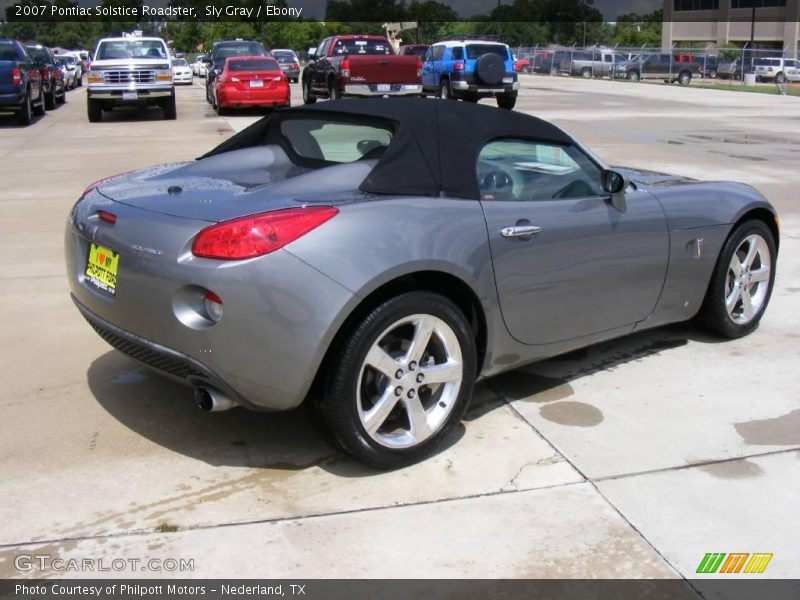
{"x": 375, "y": 258}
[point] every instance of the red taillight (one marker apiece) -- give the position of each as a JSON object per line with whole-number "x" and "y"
{"x": 103, "y": 180}
{"x": 256, "y": 235}
{"x": 108, "y": 217}
{"x": 459, "y": 66}
{"x": 16, "y": 76}
{"x": 345, "y": 67}
{"x": 295, "y": 66}
{"x": 419, "y": 67}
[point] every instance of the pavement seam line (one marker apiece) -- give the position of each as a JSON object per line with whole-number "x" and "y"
{"x": 144, "y": 532}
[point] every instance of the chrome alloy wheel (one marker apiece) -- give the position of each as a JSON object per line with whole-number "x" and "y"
{"x": 747, "y": 282}
{"x": 409, "y": 381}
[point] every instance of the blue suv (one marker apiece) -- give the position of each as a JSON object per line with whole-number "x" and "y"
{"x": 470, "y": 69}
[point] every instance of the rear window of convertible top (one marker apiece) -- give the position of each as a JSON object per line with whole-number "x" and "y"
{"x": 331, "y": 141}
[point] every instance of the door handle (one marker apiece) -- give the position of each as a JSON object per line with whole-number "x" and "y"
{"x": 520, "y": 231}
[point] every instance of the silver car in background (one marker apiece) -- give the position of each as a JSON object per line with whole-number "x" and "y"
{"x": 374, "y": 258}
{"x": 289, "y": 63}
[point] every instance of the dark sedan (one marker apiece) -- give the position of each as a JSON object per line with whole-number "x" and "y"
{"x": 375, "y": 258}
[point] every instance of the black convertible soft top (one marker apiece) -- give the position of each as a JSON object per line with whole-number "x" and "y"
{"x": 435, "y": 145}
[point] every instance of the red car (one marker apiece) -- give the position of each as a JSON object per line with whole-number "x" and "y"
{"x": 250, "y": 81}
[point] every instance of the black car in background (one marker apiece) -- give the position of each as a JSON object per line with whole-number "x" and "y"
{"x": 20, "y": 82}
{"x": 223, "y": 50}
{"x": 53, "y": 86}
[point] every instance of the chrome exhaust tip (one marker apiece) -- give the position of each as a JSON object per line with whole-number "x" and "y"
{"x": 211, "y": 400}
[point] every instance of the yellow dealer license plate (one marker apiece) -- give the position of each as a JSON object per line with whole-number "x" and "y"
{"x": 101, "y": 268}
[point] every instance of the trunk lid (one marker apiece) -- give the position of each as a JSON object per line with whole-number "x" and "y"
{"x": 255, "y": 80}
{"x": 235, "y": 184}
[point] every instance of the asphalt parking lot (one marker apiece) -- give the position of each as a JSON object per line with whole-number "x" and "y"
{"x": 633, "y": 458}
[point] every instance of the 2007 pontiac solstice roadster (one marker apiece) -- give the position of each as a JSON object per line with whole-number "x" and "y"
{"x": 377, "y": 257}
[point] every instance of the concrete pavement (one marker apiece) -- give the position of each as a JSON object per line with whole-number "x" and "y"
{"x": 630, "y": 459}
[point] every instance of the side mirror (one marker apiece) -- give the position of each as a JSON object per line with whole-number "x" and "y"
{"x": 614, "y": 183}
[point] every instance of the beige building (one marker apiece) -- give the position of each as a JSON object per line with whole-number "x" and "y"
{"x": 730, "y": 21}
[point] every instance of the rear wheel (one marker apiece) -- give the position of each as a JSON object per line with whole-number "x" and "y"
{"x": 333, "y": 91}
{"x": 308, "y": 97}
{"x": 634, "y": 76}
{"x": 742, "y": 281}
{"x": 401, "y": 382}
{"x": 444, "y": 91}
{"x": 63, "y": 97}
{"x": 507, "y": 101}
{"x": 684, "y": 78}
{"x": 94, "y": 110}
{"x": 25, "y": 113}
{"x": 586, "y": 73}
{"x": 50, "y": 99}
{"x": 169, "y": 108}
{"x": 779, "y": 78}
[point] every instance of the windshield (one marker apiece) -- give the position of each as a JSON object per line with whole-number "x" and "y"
{"x": 125, "y": 49}
{"x": 180, "y": 62}
{"x": 477, "y": 50}
{"x": 265, "y": 64}
{"x": 65, "y": 60}
{"x": 361, "y": 47}
{"x": 284, "y": 57}
{"x": 416, "y": 50}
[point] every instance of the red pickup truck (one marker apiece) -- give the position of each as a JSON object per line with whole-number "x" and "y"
{"x": 359, "y": 65}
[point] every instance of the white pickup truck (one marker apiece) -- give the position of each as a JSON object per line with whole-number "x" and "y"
{"x": 130, "y": 71}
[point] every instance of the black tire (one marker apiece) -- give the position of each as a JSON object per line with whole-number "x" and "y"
{"x": 780, "y": 78}
{"x": 169, "y": 107}
{"x": 684, "y": 78}
{"x": 712, "y": 74}
{"x": 713, "y": 314}
{"x": 79, "y": 81}
{"x": 209, "y": 95}
{"x": 445, "y": 93}
{"x": 586, "y": 73}
{"x": 333, "y": 91}
{"x": 308, "y": 97}
{"x": 41, "y": 108}
{"x": 338, "y": 409}
{"x": 94, "y": 110}
{"x": 25, "y": 113}
{"x": 50, "y": 99}
{"x": 634, "y": 76}
{"x": 507, "y": 101}
{"x": 490, "y": 69}
{"x": 63, "y": 97}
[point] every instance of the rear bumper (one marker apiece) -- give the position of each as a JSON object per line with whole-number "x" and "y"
{"x": 234, "y": 98}
{"x": 371, "y": 89}
{"x": 463, "y": 86}
{"x": 12, "y": 100}
{"x": 279, "y": 313}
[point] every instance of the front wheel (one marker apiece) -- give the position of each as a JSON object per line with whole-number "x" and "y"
{"x": 684, "y": 78}
{"x": 780, "y": 78}
{"x": 741, "y": 283}
{"x": 634, "y": 76}
{"x": 170, "y": 109}
{"x": 401, "y": 381}
{"x": 586, "y": 73}
{"x": 94, "y": 110}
